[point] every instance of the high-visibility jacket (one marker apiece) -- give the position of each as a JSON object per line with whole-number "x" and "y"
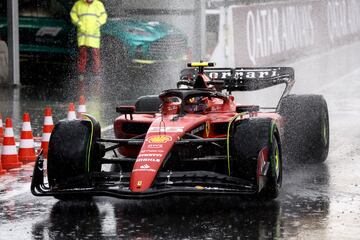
{"x": 88, "y": 19}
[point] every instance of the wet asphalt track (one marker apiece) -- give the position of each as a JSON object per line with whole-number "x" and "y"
{"x": 317, "y": 201}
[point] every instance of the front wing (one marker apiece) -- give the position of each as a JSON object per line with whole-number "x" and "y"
{"x": 116, "y": 184}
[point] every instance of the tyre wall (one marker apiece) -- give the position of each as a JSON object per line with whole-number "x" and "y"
{"x": 268, "y": 33}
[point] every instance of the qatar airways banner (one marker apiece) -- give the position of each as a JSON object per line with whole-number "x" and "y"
{"x": 265, "y": 34}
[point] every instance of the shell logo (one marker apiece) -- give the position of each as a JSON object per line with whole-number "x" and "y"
{"x": 159, "y": 139}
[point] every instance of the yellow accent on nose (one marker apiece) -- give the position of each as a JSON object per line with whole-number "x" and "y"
{"x": 139, "y": 184}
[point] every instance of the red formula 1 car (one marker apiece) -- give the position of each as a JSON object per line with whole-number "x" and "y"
{"x": 189, "y": 140}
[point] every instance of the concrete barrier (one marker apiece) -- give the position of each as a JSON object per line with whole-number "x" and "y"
{"x": 3, "y": 63}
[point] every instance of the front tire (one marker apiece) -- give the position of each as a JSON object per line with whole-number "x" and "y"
{"x": 274, "y": 175}
{"x": 73, "y": 154}
{"x": 252, "y": 138}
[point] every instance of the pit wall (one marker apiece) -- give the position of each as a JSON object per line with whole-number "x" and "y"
{"x": 269, "y": 33}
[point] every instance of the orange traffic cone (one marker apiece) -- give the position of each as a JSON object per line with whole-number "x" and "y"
{"x": 82, "y": 107}
{"x": 47, "y": 129}
{"x": 9, "y": 155}
{"x": 2, "y": 171}
{"x": 1, "y": 130}
{"x": 71, "y": 112}
{"x": 27, "y": 146}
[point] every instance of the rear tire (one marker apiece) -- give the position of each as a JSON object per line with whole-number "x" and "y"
{"x": 306, "y": 132}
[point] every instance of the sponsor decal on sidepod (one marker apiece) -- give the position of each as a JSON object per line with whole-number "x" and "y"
{"x": 159, "y": 139}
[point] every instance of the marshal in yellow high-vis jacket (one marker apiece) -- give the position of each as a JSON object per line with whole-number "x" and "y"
{"x": 88, "y": 16}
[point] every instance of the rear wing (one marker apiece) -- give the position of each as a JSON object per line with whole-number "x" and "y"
{"x": 242, "y": 79}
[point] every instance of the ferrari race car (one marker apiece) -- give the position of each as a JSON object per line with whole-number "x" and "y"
{"x": 191, "y": 140}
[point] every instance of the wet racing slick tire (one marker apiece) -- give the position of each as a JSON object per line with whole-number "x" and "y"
{"x": 306, "y": 124}
{"x": 250, "y": 137}
{"x": 73, "y": 154}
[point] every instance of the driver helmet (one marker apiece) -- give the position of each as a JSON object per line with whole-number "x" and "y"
{"x": 196, "y": 105}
